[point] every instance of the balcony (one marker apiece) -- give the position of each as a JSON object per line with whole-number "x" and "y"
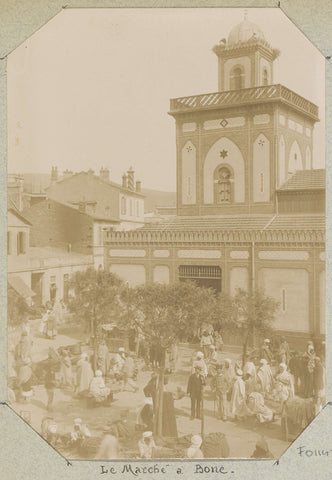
{"x": 245, "y": 96}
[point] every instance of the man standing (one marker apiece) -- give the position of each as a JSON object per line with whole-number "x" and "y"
{"x": 266, "y": 351}
{"x": 195, "y": 390}
{"x": 221, "y": 387}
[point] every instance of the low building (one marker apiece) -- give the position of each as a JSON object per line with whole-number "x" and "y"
{"x": 39, "y": 274}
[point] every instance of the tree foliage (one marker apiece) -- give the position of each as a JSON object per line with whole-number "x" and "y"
{"x": 96, "y": 298}
{"x": 17, "y": 308}
{"x": 165, "y": 314}
{"x": 255, "y": 314}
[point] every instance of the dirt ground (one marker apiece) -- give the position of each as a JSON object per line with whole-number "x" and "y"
{"x": 241, "y": 437}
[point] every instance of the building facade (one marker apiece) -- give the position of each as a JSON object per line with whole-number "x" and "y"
{"x": 250, "y": 206}
{"x": 39, "y": 274}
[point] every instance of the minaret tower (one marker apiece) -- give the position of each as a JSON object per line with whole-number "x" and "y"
{"x": 246, "y": 59}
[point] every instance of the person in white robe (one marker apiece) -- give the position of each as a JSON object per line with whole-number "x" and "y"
{"x": 84, "y": 374}
{"x": 286, "y": 378}
{"x": 98, "y": 388}
{"x": 264, "y": 376}
{"x": 238, "y": 400}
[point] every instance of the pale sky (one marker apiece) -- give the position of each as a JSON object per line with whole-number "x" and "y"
{"x": 92, "y": 87}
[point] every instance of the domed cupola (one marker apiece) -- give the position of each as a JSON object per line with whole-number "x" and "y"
{"x": 245, "y": 31}
{"x": 246, "y": 59}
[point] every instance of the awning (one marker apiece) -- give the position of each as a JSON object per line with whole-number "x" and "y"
{"x": 21, "y": 287}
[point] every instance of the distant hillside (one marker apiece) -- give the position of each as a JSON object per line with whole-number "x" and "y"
{"x": 155, "y": 198}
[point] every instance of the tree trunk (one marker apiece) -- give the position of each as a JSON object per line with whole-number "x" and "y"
{"x": 202, "y": 416}
{"x": 159, "y": 410}
{"x": 245, "y": 347}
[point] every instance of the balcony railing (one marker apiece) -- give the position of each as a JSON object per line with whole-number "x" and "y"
{"x": 244, "y": 96}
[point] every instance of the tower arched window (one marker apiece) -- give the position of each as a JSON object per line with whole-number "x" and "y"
{"x": 265, "y": 79}
{"x": 237, "y": 78}
{"x": 223, "y": 187}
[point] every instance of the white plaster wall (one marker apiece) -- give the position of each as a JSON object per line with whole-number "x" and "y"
{"x": 261, "y": 166}
{"x": 294, "y": 164}
{"x": 281, "y": 162}
{"x": 161, "y": 274}
{"x": 234, "y": 159}
{"x": 308, "y": 159}
{"x": 232, "y": 62}
{"x": 188, "y": 174}
{"x": 134, "y": 217}
{"x": 296, "y": 284}
{"x": 133, "y": 274}
{"x": 239, "y": 278}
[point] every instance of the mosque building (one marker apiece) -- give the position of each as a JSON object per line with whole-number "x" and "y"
{"x": 250, "y": 206}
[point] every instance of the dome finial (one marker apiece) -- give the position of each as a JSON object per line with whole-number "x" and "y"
{"x": 245, "y": 14}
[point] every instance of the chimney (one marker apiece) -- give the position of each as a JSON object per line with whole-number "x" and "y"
{"x": 104, "y": 174}
{"x": 138, "y": 186}
{"x": 124, "y": 181}
{"x": 67, "y": 174}
{"x": 131, "y": 183}
{"x": 54, "y": 174}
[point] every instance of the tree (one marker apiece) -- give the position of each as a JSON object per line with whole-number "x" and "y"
{"x": 96, "y": 299}
{"x": 17, "y": 308}
{"x": 164, "y": 314}
{"x": 255, "y": 314}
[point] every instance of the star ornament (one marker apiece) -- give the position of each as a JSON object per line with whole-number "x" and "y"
{"x": 223, "y": 153}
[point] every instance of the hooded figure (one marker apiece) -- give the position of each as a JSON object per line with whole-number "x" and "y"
{"x": 262, "y": 449}
{"x": 84, "y": 374}
{"x": 146, "y": 445}
{"x": 238, "y": 399}
{"x": 98, "y": 388}
{"x": 285, "y": 377}
{"x": 194, "y": 451}
{"x": 257, "y": 407}
{"x": 264, "y": 376}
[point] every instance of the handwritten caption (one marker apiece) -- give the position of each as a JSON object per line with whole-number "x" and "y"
{"x": 157, "y": 469}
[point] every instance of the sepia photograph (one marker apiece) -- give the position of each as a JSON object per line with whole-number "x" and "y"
{"x": 166, "y": 233}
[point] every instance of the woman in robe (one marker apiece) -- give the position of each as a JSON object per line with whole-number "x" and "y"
{"x": 103, "y": 357}
{"x": 256, "y": 406}
{"x": 84, "y": 374}
{"x": 308, "y": 374}
{"x": 264, "y": 376}
{"x": 98, "y": 388}
{"x": 238, "y": 399}
{"x": 285, "y": 377}
{"x": 66, "y": 372}
{"x": 249, "y": 368}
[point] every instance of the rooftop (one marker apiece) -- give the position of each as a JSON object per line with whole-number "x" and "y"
{"x": 306, "y": 180}
{"x": 213, "y": 222}
{"x": 245, "y": 96}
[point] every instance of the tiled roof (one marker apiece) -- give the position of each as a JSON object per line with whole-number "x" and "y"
{"x": 217, "y": 222}
{"x": 298, "y": 222}
{"x": 306, "y": 180}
